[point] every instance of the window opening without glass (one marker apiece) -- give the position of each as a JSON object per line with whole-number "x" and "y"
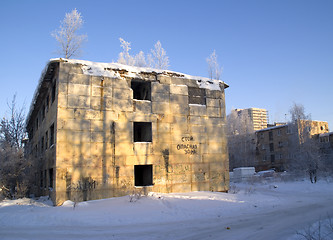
{"x": 196, "y": 96}
{"x": 142, "y": 132}
{"x": 143, "y": 175}
{"x": 141, "y": 90}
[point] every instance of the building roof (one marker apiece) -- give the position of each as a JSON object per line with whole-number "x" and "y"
{"x": 271, "y": 128}
{"x": 113, "y": 70}
{"x": 325, "y": 134}
{"x": 117, "y": 70}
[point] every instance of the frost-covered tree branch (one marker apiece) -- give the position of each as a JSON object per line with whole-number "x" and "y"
{"x": 239, "y": 124}
{"x": 304, "y": 146}
{"x": 158, "y": 57}
{"x": 241, "y": 137}
{"x": 124, "y": 57}
{"x": 140, "y": 60}
{"x": 12, "y": 129}
{"x": 214, "y": 69}
{"x": 15, "y": 174}
{"x": 297, "y": 112}
{"x": 67, "y": 35}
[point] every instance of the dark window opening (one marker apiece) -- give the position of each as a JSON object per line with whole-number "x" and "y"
{"x": 271, "y": 147}
{"x": 51, "y": 177}
{"x": 43, "y": 112}
{"x": 47, "y": 104}
{"x": 142, "y": 132}
{"x": 143, "y": 175}
{"x": 52, "y": 135}
{"x": 53, "y": 92}
{"x": 36, "y": 178}
{"x": 31, "y": 133}
{"x": 45, "y": 172}
{"x": 41, "y": 179}
{"x": 42, "y": 144}
{"x": 36, "y": 151}
{"x": 272, "y": 158}
{"x": 46, "y": 139}
{"x": 141, "y": 90}
{"x": 196, "y": 96}
{"x": 270, "y": 136}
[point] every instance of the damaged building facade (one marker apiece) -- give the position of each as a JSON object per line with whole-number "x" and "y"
{"x": 100, "y": 130}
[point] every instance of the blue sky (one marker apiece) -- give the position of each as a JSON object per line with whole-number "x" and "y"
{"x": 273, "y": 53}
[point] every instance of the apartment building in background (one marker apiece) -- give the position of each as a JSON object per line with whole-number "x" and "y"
{"x": 276, "y": 146}
{"x": 258, "y": 117}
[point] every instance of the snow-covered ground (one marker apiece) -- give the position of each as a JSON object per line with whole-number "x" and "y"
{"x": 262, "y": 210}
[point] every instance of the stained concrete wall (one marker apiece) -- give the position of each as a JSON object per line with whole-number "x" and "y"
{"x": 95, "y": 149}
{"x": 41, "y": 147}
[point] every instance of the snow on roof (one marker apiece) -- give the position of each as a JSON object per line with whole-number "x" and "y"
{"x": 112, "y": 70}
{"x": 271, "y": 128}
{"x": 325, "y": 134}
{"x": 108, "y": 70}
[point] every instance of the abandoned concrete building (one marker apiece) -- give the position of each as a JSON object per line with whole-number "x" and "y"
{"x": 100, "y": 130}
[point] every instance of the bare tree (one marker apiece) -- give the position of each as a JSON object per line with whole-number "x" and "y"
{"x": 124, "y": 57}
{"x": 158, "y": 57}
{"x": 140, "y": 60}
{"x": 297, "y": 112}
{"x": 241, "y": 140}
{"x": 214, "y": 69}
{"x": 239, "y": 123}
{"x": 67, "y": 35}
{"x": 14, "y": 168}
{"x": 15, "y": 173}
{"x": 12, "y": 130}
{"x": 304, "y": 146}
{"x": 321, "y": 230}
